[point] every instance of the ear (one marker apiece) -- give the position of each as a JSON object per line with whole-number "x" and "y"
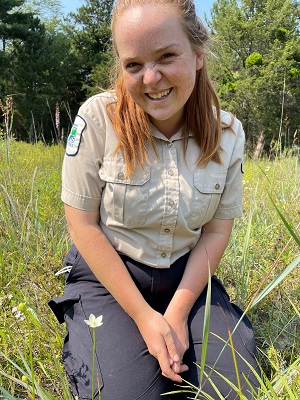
{"x": 199, "y": 60}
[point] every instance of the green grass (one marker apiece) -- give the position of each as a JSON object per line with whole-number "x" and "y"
{"x": 33, "y": 241}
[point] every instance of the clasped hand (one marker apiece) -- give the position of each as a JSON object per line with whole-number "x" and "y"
{"x": 167, "y": 340}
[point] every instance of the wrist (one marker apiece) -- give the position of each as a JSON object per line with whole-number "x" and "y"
{"x": 142, "y": 314}
{"x": 175, "y": 312}
{"x": 181, "y": 304}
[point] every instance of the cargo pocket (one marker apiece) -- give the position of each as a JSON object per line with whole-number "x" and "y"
{"x": 77, "y": 351}
{"x": 60, "y": 306}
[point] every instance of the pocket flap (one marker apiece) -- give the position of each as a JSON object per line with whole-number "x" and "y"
{"x": 59, "y": 306}
{"x": 210, "y": 181}
{"x": 113, "y": 170}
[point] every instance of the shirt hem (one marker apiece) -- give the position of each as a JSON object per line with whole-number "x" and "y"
{"x": 80, "y": 202}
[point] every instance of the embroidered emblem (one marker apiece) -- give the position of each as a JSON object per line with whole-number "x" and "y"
{"x": 74, "y": 138}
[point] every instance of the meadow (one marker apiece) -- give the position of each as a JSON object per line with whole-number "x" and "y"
{"x": 260, "y": 270}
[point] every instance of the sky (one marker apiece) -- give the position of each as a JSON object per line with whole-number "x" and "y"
{"x": 202, "y": 6}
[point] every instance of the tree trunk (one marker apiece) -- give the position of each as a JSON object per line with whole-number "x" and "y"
{"x": 259, "y": 146}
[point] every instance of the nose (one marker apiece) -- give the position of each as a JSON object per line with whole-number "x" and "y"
{"x": 151, "y": 75}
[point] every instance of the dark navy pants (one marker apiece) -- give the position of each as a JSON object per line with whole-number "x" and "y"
{"x": 123, "y": 366}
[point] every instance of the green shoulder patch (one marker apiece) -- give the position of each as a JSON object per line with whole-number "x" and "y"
{"x": 74, "y": 138}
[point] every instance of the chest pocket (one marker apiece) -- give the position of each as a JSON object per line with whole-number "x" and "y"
{"x": 125, "y": 200}
{"x": 207, "y": 190}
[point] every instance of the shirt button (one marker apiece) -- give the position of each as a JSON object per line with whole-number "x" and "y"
{"x": 169, "y": 144}
{"x": 217, "y": 186}
{"x": 171, "y": 173}
{"x": 120, "y": 175}
{"x": 171, "y": 203}
{"x": 167, "y": 230}
{"x": 163, "y": 255}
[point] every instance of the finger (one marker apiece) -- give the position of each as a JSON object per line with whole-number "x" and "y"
{"x": 179, "y": 368}
{"x": 175, "y": 365}
{"x": 171, "y": 347}
{"x": 166, "y": 369}
{"x": 174, "y": 378}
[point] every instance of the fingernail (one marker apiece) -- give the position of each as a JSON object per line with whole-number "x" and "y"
{"x": 176, "y": 358}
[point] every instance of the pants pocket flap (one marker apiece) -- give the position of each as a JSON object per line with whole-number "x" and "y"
{"x": 59, "y": 305}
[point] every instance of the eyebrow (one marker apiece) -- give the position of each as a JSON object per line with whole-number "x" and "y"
{"x": 164, "y": 48}
{"x": 157, "y": 51}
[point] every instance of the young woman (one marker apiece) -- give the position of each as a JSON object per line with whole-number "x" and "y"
{"x": 152, "y": 180}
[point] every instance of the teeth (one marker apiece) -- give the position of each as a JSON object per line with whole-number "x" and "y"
{"x": 159, "y": 95}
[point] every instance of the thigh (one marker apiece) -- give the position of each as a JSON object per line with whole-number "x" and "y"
{"x": 123, "y": 366}
{"x": 219, "y": 358}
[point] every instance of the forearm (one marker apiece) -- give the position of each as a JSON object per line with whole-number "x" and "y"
{"x": 108, "y": 267}
{"x": 105, "y": 262}
{"x": 203, "y": 261}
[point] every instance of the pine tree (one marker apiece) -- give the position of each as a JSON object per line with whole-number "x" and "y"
{"x": 256, "y": 65}
{"x": 91, "y": 39}
{"x": 13, "y": 26}
{"x": 37, "y": 67}
{"x": 41, "y": 75}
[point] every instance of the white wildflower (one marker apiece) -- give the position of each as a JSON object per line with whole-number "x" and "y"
{"x": 19, "y": 316}
{"x": 94, "y": 322}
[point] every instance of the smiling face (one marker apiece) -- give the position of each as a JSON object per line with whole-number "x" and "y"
{"x": 157, "y": 61}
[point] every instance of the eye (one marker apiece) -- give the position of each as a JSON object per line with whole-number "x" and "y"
{"x": 167, "y": 56}
{"x": 132, "y": 66}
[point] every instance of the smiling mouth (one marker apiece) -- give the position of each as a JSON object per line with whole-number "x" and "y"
{"x": 159, "y": 96}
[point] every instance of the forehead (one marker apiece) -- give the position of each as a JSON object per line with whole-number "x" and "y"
{"x": 147, "y": 26}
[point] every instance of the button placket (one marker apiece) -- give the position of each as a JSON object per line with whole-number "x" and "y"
{"x": 171, "y": 182}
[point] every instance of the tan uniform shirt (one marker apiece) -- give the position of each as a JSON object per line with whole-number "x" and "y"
{"x": 156, "y": 215}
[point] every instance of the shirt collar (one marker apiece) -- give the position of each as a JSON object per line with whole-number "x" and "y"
{"x": 157, "y": 134}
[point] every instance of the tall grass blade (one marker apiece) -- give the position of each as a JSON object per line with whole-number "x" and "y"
{"x": 286, "y": 223}
{"x": 294, "y": 307}
{"x": 206, "y": 324}
{"x": 43, "y": 395}
{"x": 245, "y": 272}
{"x": 11, "y": 202}
{"x": 275, "y": 282}
{"x": 7, "y": 395}
{"x": 235, "y": 366}
{"x": 289, "y": 374}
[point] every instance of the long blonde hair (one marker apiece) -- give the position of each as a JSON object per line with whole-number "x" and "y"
{"x": 202, "y": 110}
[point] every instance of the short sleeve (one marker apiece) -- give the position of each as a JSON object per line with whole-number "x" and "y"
{"x": 233, "y": 141}
{"x": 81, "y": 184}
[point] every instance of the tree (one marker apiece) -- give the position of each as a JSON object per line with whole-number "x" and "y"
{"x": 44, "y": 9}
{"x": 13, "y": 25}
{"x": 256, "y": 67}
{"x": 36, "y": 71}
{"x": 49, "y": 12}
{"x": 42, "y": 76}
{"x": 45, "y": 64}
{"x": 91, "y": 39}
